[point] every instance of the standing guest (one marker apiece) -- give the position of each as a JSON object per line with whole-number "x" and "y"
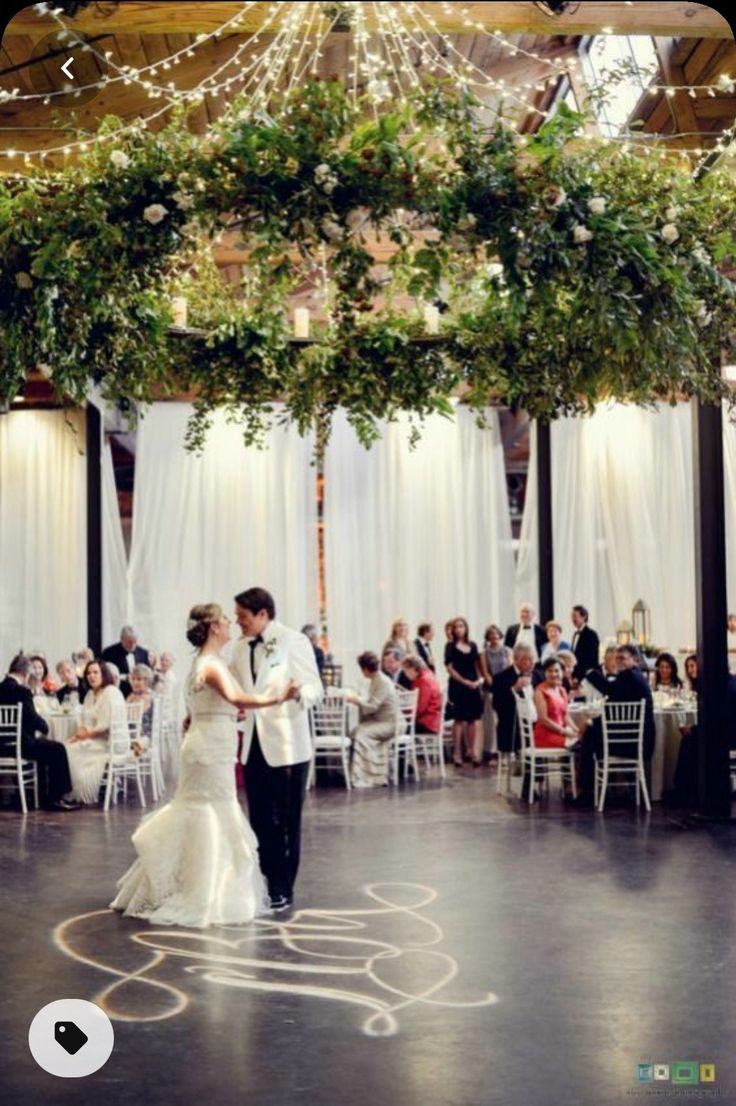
{"x": 526, "y": 631}
{"x": 88, "y": 749}
{"x": 553, "y": 728}
{"x": 166, "y": 681}
{"x": 429, "y": 698}
{"x": 40, "y": 683}
{"x": 391, "y": 666}
{"x": 691, "y": 672}
{"x": 554, "y": 641}
{"x": 70, "y": 683}
{"x": 585, "y": 643}
{"x": 310, "y": 631}
{"x": 379, "y": 714}
{"x": 514, "y": 682}
{"x": 666, "y": 677}
{"x": 125, "y": 654}
{"x": 493, "y": 660}
{"x": 399, "y": 638}
{"x": 50, "y": 756}
{"x": 462, "y": 661}
{"x": 423, "y": 644}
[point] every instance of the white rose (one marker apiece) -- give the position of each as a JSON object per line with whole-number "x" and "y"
{"x": 597, "y": 205}
{"x": 120, "y": 159}
{"x": 183, "y": 201}
{"x": 331, "y": 229}
{"x": 356, "y": 218}
{"x": 581, "y": 234}
{"x": 670, "y": 233}
{"x": 701, "y": 254}
{"x": 24, "y": 280}
{"x": 154, "y": 213}
{"x": 702, "y": 314}
{"x": 671, "y": 214}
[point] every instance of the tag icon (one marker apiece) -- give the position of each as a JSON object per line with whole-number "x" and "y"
{"x": 70, "y": 1037}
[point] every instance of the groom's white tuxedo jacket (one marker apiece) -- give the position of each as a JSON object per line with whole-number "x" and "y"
{"x": 283, "y": 730}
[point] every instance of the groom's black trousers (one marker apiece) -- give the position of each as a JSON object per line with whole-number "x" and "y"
{"x": 275, "y": 798}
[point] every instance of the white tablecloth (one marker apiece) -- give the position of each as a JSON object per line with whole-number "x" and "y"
{"x": 667, "y": 722}
{"x": 62, "y": 724}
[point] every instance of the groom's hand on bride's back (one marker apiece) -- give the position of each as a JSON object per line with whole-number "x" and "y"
{"x": 293, "y": 690}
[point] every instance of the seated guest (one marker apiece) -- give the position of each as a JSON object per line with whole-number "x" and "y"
{"x": 124, "y": 654}
{"x": 629, "y": 687}
{"x": 378, "y": 720}
{"x": 608, "y": 669}
{"x": 391, "y": 666}
{"x": 422, "y": 644}
{"x": 54, "y": 781}
{"x": 526, "y": 631}
{"x": 585, "y": 643}
{"x": 515, "y": 681}
{"x": 310, "y": 631}
{"x": 166, "y": 680}
{"x": 553, "y": 728}
{"x": 566, "y": 657}
{"x": 429, "y": 699}
{"x": 685, "y": 781}
{"x": 141, "y": 691}
{"x": 399, "y": 638}
{"x": 70, "y": 684}
{"x": 666, "y": 675}
{"x": 462, "y": 661}
{"x": 691, "y": 672}
{"x": 115, "y": 674}
{"x": 81, "y": 659}
{"x": 554, "y": 641}
{"x": 88, "y": 749}
{"x": 39, "y": 682}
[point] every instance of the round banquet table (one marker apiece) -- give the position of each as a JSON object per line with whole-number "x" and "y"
{"x": 62, "y": 724}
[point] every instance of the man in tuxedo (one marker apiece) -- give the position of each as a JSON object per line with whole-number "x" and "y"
{"x": 513, "y": 682}
{"x": 391, "y": 666}
{"x": 422, "y": 644}
{"x": 310, "y": 632}
{"x": 125, "y": 655}
{"x": 527, "y": 632}
{"x": 50, "y": 756}
{"x": 70, "y": 683}
{"x": 585, "y": 643}
{"x": 629, "y": 686}
{"x": 277, "y": 747}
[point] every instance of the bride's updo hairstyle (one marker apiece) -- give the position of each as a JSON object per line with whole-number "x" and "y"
{"x": 201, "y": 618}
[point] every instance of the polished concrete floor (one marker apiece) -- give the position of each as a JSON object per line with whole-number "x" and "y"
{"x": 448, "y": 948}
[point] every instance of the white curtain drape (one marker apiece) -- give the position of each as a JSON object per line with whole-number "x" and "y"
{"x": 206, "y": 527}
{"x": 424, "y": 534}
{"x": 114, "y": 558}
{"x": 43, "y": 534}
{"x": 622, "y": 503}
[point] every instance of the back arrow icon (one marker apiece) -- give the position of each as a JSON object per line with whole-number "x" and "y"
{"x": 65, "y": 68}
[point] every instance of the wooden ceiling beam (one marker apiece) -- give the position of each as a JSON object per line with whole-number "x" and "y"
{"x": 665, "y": 18}
{"x": 682, "y": 106}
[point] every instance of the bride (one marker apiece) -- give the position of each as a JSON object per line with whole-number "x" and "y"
{"x": 197, "y": 859}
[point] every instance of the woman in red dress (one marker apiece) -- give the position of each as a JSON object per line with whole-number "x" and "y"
{"x": 553, "y": 728}
{"x": 429, "y": 700}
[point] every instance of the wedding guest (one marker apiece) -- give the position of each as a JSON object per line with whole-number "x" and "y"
{"x": 115, "y": 673}
{"x": 554, "y": 641}
{"x": 54, "y": 780}
{"x": 391, "y": 666}
{"x": 685, "y": 781}
{"x": 81, "y": 659}
{"x": 88, "y": 748}
{"x": 691, "y": 672}
{"x": 566, "y": 657}
{"x": 462, "y": 661}
{"x": 70, "y": 683}
{"x": 378, "y": 720}
{"x": 526, "y": 631}
{"x": 166, "y": 681}
{"x": 126, "y": 653}
{"x": 585, "y": 643}
{"x": 310, "y": 631}
{"x": 40, "y": 683}
{"x": 141, "y": 691}
{"x": 494, "y": 659}
{"x": 429, "y": 699}
{"x": 608, "y": 669}
{"x": 423, "y": 644}
{"x": 399, "y": 638}
{"x": 553, "y": 728}
{"x": 510, "y": 684}
{"x": 667, "y": 677}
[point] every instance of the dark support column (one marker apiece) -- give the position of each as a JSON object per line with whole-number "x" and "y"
{"x": 544, "y": 512}
{"x": 94, "y": 528}
{"x": 714, "y": 785}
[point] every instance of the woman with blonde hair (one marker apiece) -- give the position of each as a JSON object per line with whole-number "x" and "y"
{"x": 399, "y": 638}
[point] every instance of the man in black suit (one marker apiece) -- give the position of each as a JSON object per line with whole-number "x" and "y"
{"x": 310, "y": 631}
{"x": 629, "y": 687}
{"x": 125, "y": 654}
{"x": 422, "y": 646}
{"x": 50, "y": 756}
{"x": 391, "y": 667}
{"x": 513, "y": 682}
{"x": 585, "y": 643}
{"x": 527, "y": 632}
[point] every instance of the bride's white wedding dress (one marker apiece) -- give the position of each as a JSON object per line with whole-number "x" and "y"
{"x": 198, "y": 856}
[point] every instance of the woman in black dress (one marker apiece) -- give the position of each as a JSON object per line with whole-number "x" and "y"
{"x": 462, "y": 660}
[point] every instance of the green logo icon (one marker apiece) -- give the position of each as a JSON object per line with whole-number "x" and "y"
{"x": 645, "y": 1073}
{"x": 686, "y": 1071}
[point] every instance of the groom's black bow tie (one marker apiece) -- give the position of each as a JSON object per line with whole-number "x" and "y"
{"x": 258, "y": 640}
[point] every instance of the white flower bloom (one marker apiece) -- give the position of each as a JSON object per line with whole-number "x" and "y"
{"x": 561, "y": 197}
{"x": 670, "y": 233}
{"x": 154, "y": 213}
{"x": 120, "y": 159}
{"x": 183, "y": 201}
{"x": 701, "y": 254}
{"x": 597, "y": 205}
{"x": 580, "y": 234}
{"x": 671, "y": 214}
{"x": 325, "y": 178}
{"x": 702, "y": 314}
{"x": 331, "y": 229}
{"x": 24, "y": 280}
{"x": 356, "y": 218}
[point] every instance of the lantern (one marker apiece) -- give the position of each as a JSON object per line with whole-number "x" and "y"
{"x": 624, "y": 631}
{"x": 642, "y": 622}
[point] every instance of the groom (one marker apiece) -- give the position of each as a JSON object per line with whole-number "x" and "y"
{"x": 276, "y": 742}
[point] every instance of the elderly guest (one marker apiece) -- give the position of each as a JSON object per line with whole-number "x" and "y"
{"x": 391, "y": 666}
{"x": 125, "y": 654}
{"x": 429, "y": 698}
{"x": 378, "y": 720}
{"x": 141, "y": 685}
{"x": 554, "y": 640}
{"x": 89, "y": 748}
{"x": 494, "y": 659}
{"x": 70, "y": 683}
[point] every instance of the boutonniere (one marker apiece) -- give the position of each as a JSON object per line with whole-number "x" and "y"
{"x": 270, "y": 646}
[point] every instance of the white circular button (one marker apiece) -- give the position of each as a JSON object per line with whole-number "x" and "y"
{"x": 71, "y": 1038}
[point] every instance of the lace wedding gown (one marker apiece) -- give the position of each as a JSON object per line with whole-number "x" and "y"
{"x": 197, "y": 859}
